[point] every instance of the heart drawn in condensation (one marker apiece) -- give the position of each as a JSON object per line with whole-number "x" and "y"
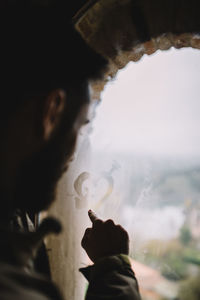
{"x": 98, "y": 197}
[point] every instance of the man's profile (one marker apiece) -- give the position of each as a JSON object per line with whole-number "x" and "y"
{"x": 45, "y": 72}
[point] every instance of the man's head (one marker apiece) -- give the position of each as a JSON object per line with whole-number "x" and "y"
{"x": 45, "y": 70}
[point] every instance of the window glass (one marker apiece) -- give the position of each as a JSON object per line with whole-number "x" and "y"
{"x": 144, "y": 169}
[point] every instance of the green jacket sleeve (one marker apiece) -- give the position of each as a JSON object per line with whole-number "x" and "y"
{"x": 111, "y": 278}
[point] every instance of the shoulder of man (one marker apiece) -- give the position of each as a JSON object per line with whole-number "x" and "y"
{"x": 18, "y": 284}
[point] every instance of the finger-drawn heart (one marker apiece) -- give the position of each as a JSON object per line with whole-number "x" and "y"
{"x": 102, "y": 188}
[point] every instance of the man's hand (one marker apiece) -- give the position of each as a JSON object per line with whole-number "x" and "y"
{"x": 104, "y": 239}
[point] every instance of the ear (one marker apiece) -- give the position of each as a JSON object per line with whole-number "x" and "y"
{"x": 53, "y": 108}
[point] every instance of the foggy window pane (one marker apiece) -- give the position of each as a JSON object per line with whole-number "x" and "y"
{"x": 145, "y": 169}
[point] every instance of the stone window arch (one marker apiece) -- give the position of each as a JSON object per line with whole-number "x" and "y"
{"x": 125, "y": 30}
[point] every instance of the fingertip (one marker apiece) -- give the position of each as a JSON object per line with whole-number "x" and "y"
{"x": 90, "y": 212}
{"x": 93, "y": 217}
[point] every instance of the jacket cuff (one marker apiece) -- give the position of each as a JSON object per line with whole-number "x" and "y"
{"x": 106, "y": 264}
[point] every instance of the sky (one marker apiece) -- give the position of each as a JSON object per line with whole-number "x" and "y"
{"x": 152, "y": 106}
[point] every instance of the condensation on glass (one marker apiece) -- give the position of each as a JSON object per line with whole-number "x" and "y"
{"x": 143, "y": 169}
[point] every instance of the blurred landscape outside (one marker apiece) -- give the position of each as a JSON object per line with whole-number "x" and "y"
{"x": 144, "y": 169}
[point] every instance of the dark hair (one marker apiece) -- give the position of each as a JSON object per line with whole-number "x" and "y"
{"x": 40, "y": 50}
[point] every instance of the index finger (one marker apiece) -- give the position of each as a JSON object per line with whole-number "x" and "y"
{"x": 93, "y": 217}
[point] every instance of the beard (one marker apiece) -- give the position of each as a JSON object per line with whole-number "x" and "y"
{"x": 38, "y": 176}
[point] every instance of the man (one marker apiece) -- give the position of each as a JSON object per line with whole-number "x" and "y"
{"x": 45, "y": 72}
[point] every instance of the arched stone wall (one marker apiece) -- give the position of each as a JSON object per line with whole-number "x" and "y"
{"x": 125, "y": 30}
